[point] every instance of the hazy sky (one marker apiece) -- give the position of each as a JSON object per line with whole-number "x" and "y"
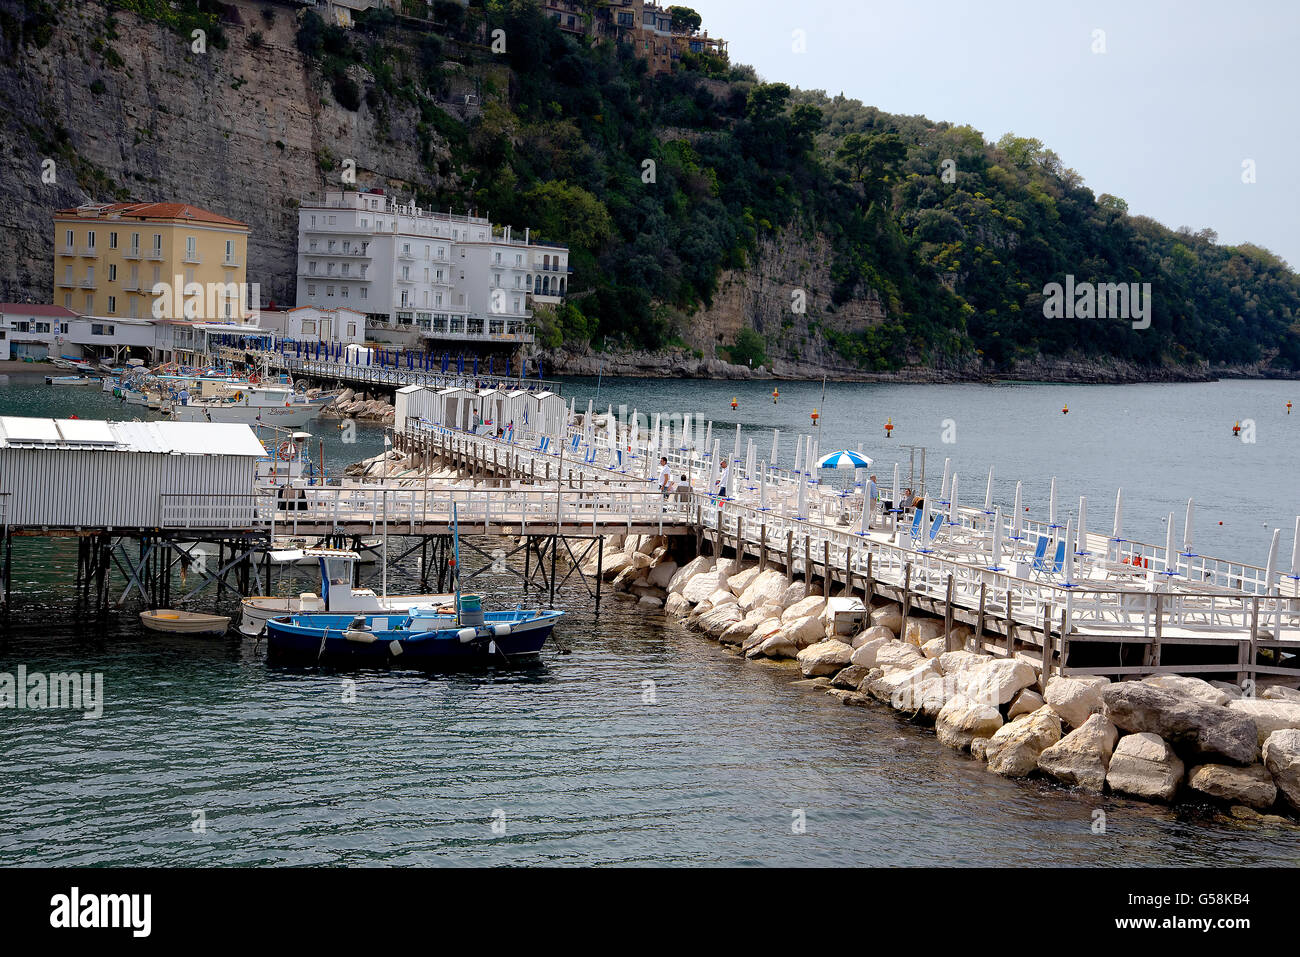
{"x": 1164, "y": 118}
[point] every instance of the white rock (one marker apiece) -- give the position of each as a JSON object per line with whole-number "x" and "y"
{"x": 1252, "y": 785}
{"x": 811, "y": 605}
{"x": 778, "y": 646}
{"x": 865, "y": 653}
{"x": 650, "y": 601}
{"x": 1282, "y": 758}
{"x": 722, "y": 597}
{"x": 953, "y": 662}
{"x": 795, "y": 591}
{"x": 764, "y": 630}
{"x": 1027, "y": 701}
{"x": 661, "y": 575}
{"x": 720, "y": 619}
{"x": 1192, "y": 687}
{"x": 1073, "y": 699}
{"x": 740, "y": 630}
{"x": 899, "y": 656}
{"x": 1082, "y": 756}
{"x": 934, "y": 647}
{"x": 921, "y": 630}
{"x": 1145, "y": 766}
{"x": 701, "y": 586}
{"x": 1269, "y": 716}
{"x": 825, "y": 657}
{"x": 677, "y": 605}
{"x": 874, "y": 633}
{"x": 960, "y": 721}
{"x": 742, "y": 580}
{"x": 687, "y": 572}
{"x": 1014, "y": 749}
{"x": 889, "y": 616}
{"x": 1279, "y": 693}
{"x": 998, "y": 681}
{"x": 904, "y": 689}
{"x": 802, "y": 632}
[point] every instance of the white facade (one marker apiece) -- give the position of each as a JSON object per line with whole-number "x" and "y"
{"x": 44, "y": 331}
{"x": 450, "y": 277}
{"x": 313, "y": 324}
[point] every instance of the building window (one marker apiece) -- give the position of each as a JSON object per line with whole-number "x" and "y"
{"x": 364, "y": 292}
{"x": 230, "y": 250}
{"x": 329, "y": 291}
{"x": 90, "y": 304}
{"x": 42, "y": 327}
{"x": 99, "y": 329}
{"x": 157, "y": 242}
{"x": 90, "y": 239}
{"x": 112, "y": 240}
{"x": 69, "y": 239}
{"x": 112, "y": 305}
{"x": 67, "y": 300}
{"x": 311, "y": 290}
{"x": 112, "y": 272}
{"x": 135, "y": 243}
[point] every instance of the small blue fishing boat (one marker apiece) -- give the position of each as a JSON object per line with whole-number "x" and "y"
{"x": 423, "y": 636}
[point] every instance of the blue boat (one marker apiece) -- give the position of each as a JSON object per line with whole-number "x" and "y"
{"x": 424, "y": 636}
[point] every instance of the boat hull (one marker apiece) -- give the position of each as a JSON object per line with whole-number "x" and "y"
{"x": 281, "y": 416}
{"x": 255, "y": 612}
{"x": 289, "y": 641}
{"x": 184, "y": 623}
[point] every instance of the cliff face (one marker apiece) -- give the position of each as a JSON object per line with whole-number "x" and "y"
{"x": 245, "y": 131}
{"x": 791, "y": 268}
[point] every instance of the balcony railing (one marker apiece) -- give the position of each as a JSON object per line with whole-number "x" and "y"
{"x": 132, "y": 253}
{"x": 87, "y": 284}
{"x": 193, "y": 258}
{"x": 155, "y": 254}
{"x": 67, "y": 282}
{"x": 90, "y": 252}
{"x": 66, "y": 250}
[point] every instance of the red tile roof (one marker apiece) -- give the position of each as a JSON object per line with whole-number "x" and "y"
{"x": 36, "y": 309}
{"x": 181, "y": 211}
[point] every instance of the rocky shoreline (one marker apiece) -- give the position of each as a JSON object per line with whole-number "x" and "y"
{"x": 349, "y": 404}
{"x": 684, "y": 364}
{"x": 1161, "y": 739}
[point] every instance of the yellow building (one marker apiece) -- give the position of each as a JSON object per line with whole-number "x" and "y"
{"x": 119, "y": 259}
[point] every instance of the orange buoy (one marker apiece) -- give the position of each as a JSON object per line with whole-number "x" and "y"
{"x": 734, "y": 404}
{"x": 1236, "y": 429}
{"x": 775, "y": 395}
{"x": 1065, "y": 410}
{"x": 815, "y": 416}
{"x": 889, "y": 428}
{"x": 1288, "y": 408}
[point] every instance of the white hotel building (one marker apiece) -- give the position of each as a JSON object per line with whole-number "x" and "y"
{"x": 431, "y": 275}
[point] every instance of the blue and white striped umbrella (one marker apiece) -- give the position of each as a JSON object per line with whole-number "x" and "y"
{"x": 844, "y": 459}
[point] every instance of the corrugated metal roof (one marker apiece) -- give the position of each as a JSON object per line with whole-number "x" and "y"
{"x": 168, "y": 438}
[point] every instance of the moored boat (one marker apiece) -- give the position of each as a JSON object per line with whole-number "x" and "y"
{"x": 427, "y": 636}
{"x": 69, "y": 380}
{"x": 175, "y": 622}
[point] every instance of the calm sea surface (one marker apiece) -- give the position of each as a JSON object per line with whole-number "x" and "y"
{"x": 633, "y": 741}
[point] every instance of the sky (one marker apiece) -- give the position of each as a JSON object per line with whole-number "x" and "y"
{"x": 1183, "y": 94}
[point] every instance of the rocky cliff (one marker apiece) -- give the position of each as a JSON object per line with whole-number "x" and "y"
{"x": 129, "y": 111}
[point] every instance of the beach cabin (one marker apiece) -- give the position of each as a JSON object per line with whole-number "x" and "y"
{"x": 547, "y": 413}
{"x": 456, "y": 407}
{"x": 69, "y": 473}
{"x": 491, "y": 405}
{"x": 514, "y": 408}
{"x": 416, "y": 407}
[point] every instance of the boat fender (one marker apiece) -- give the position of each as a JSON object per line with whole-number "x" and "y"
{"x": 467, "y": 634}
{"x": 362, "y": 637}
{"x": 395, "y": 647}
{"x": 492, "y": 647}
{"x": 500, "y": 630}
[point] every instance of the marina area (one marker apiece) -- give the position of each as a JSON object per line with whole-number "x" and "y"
{"x": 553, "y": 519}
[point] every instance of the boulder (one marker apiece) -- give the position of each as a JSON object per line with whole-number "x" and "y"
{"x": 934, "y": 647}
{"x": 719, "y": 619}
{"x": 1282, "y": 759}
{"x": 921, "y": 630}
{"x": 702, "y": 585}
{"x": 1027, "y": 701}
{"x": 640, "y": 560}
{"x": 888, "y": 616}
{"x": 865, "y": 653}
{"x": 687, "y": 572}
{"x": 1228, "y": 688}
{"x": 1199, "y": 728}
{"x": 811, "y": 605}
{"x": 1269, "y": 716}
{"x": 794, "y": 592}
{"x": 1252, "y": 786}
{"x": 1192, "y": 687}
{"x": 874, "y": 633}
{"x": 960, "y": 721}
{"x": 742, "y": 580}
{"x": 850, "y": 677}
{"x": 767, "y": 586}
{"x": 998, "y": 680}
{"x": 677, "y": 605}
{"x": 1082, "y": 757}
{"x": 1073, "y": 699}
{"x": 825, "y": 657}
{"x": 979, "y": 748}
{"x": 763, "y": 631}
{"x": 899, "y": 656}
{"x": 1014, "y": 749}
{"x": 723, "y": 597}
{"x": 650, "y": 601}
{"x": 903, "y": 688}
{"x": 661, "y": 575}
{"x": 1280, "y": 693}
{"x": 959, "y": 636}
{"x": 614, "y": 566}
{"x": 777, "y": 646}
{"x": 1145, "y": 766}
{"x": 738, "y": 632}
{"x": 955, "y": 662}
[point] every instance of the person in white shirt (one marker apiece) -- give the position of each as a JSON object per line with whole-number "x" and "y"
{"x": 722, "y": 480}
{"x": 665, "y": 476}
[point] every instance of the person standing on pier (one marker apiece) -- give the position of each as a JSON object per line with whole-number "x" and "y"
{"x": 873, "y": 493}
{"x": 665, "y": 476}
{"x": 722, "y": 480}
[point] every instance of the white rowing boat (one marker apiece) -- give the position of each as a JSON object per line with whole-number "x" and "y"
{"x": 175, "y": 622}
